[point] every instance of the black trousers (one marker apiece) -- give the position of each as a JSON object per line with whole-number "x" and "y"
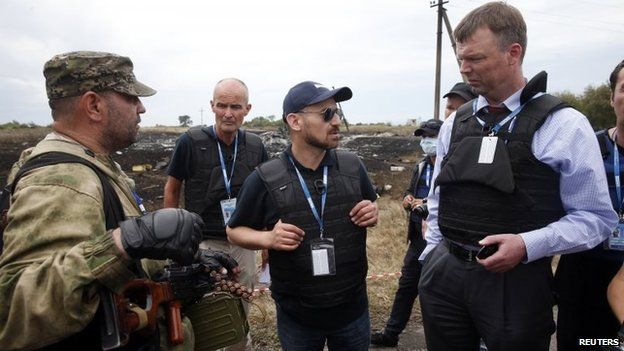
{"x": 461, "y": 302}
{"x": 581, "y": 282}
{"x": 408, "y": 282}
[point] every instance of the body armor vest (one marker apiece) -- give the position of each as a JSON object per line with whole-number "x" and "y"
{"x": 205, "y": 189}
{"x": 519, "y": 194}
{"x": 291, "y": 271}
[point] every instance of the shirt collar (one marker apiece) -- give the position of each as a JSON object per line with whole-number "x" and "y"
{"x": 328, "y": 160}
{"x": 212, "y": 134}
{"x": 512, "y": 102}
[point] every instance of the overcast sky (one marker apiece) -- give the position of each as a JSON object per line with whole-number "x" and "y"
{"x": 383, "y": 50}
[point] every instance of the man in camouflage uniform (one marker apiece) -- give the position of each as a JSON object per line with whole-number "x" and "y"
{"x": 58, "y": 254}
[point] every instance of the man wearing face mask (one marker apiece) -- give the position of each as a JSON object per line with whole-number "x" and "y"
{"x": 415, "y": 203}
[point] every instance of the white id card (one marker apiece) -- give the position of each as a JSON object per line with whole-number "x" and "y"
{"x": 616, "y": 239}
{"x": 320, "y": 262}
{"x": 323, "y": 260}
{"x": 227, "y": 209}
{"x": 488, "y": 148}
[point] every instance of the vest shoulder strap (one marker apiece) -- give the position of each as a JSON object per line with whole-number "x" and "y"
{"x": 533, "y": 116}
{"x": 463, "y": 112}
{"x": 113, "y": 209}
{"x": 348, "y": 163}
{"x": 274, "y": 173}
{"x": 602, "y": 136}
{"x": 252, "y": 140}
{"x": 199, "y": 135}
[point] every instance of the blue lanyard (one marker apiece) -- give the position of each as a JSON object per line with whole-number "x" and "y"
{"x": 306, "y": 192}
{"x": 428, "y": 175}
{"x": 139, "y": 202}
{"x": 616, "y": 172}
{"x": 227, "y": 180}
{"x": 496, "y": 128}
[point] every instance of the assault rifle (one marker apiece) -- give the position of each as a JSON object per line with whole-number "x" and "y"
{"x": 135, "y": 309}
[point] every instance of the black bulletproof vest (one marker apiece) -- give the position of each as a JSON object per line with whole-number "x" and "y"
{"x": 291, "y": 271}
{"x": 515, "y": 199}
{"x": 206, "y": 188}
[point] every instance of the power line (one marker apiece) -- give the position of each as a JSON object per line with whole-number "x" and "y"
{"x": 576, "y": 18}
{"x": 603, "y": 4}
{"x": 557, "y": 19}
{"x": 581, "y": 25}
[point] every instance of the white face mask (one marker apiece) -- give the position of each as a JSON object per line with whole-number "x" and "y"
{"x": 429, "y": 146}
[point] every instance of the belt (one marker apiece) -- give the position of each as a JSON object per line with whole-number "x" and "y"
{"x": 461, "y": 252}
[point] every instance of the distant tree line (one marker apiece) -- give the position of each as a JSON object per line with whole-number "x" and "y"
{"x": 262, "y": 121}
{"x": 595, "y": 103}
{"x": 17, "y": 125}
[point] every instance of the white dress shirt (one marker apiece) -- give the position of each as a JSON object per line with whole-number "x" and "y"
{"x": 567, "y": 143}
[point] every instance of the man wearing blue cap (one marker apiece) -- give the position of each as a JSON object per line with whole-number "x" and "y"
{"x": 310, "y": 208}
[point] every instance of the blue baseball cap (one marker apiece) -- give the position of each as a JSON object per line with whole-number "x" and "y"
{"x": 309, "y": 93}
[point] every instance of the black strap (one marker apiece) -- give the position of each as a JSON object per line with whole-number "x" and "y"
{"x": 113, "y": 210}
{"x": 602, "y": 137}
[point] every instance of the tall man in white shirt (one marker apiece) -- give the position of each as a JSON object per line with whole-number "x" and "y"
{"x": 518, "y": 179}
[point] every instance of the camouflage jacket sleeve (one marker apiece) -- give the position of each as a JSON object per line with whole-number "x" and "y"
{"x": 57, "y": 256}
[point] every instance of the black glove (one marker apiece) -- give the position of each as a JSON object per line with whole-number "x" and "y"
{"x": 216, "y": 260}
{"x": 168, "y": 233}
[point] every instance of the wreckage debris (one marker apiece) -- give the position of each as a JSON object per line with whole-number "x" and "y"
{"x": 142, "y": 167}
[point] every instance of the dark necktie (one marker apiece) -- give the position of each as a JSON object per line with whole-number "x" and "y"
{"x": 492, "y": 115}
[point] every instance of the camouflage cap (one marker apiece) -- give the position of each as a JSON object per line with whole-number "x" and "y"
{"x": 74, "y": 73}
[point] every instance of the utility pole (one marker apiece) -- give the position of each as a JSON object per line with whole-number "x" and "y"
{"x": 441, "y": 11}
{"x": 201, "y": 114}
{"x": 451, "y": 38}
{"x": 344, "y": 118}
{"x": 442, "y": 16}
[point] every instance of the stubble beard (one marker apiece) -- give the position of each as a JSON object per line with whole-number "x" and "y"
{"x": 119, "y": 133}
{"x": 315, "y": 142}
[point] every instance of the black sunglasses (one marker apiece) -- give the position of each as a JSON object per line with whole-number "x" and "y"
{"x": 327, "y": 113}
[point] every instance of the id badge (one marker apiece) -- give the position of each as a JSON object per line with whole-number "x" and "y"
{"x": 323, "y": 259}
{"x": 616, "y": 239}
{"x": 227, "y": 209}
{"x": 488, "y": 148}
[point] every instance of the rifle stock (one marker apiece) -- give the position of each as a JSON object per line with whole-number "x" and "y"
{"x": 135, "y": 311}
